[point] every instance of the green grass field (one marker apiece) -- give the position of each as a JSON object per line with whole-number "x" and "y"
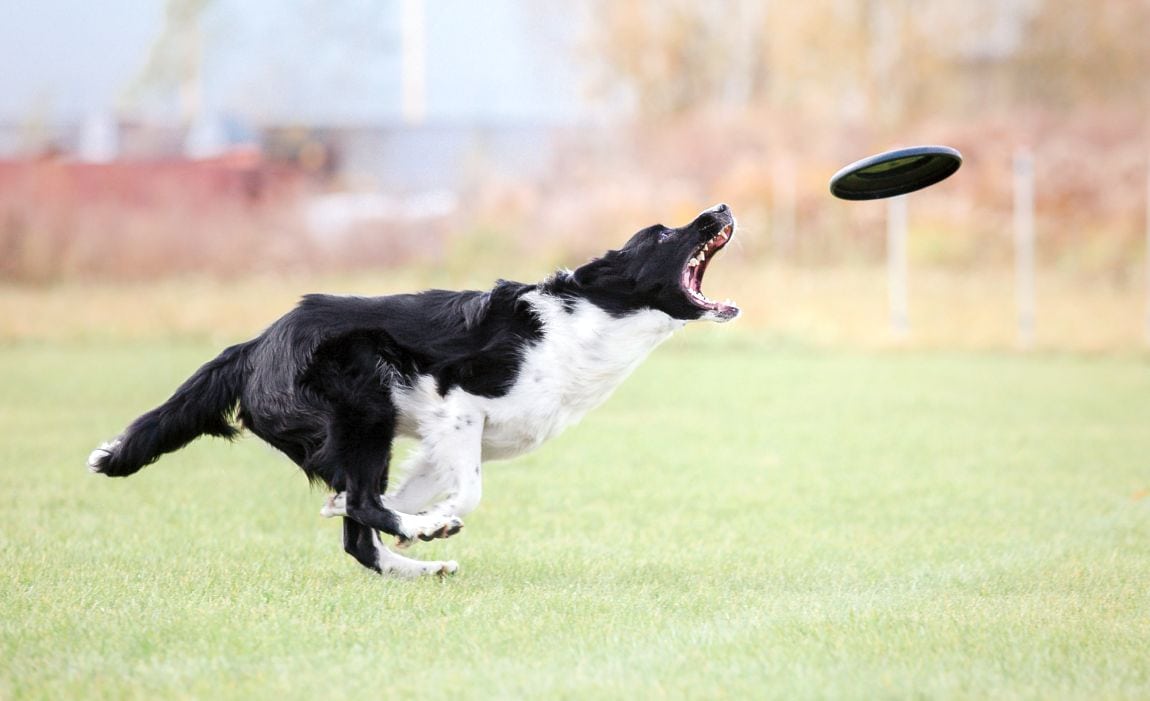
{"x": 741, "y": 520}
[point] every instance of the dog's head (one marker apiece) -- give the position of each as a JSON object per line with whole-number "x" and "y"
{"x": 661, "y": 268}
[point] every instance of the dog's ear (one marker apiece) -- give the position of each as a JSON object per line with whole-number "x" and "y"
{"x": 475, "y": 310}
{"x": 587, "y": 273}
{"x": 597, "y": 269}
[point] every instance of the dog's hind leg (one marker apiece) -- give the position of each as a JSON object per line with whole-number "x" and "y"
{"x": 447, "y": 467}
{"x": 363, "y": 544}
{"x": 405, "y": 527}
{"x": 363, "y": 453}
{"x": 367, "y": 509}
{"x": 362, "y": 449}
{"x": 422, "y": 483}
{"x": 356, "y": 453}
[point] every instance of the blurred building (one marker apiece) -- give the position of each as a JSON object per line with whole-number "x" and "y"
{"x": 322, "y": 83}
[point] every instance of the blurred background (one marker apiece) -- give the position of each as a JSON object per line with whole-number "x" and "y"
{"x": 190, "y": 167}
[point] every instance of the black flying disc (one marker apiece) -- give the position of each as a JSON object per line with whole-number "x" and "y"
{"x": 895, "y": 172}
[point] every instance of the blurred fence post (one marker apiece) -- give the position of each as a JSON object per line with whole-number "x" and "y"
{"x": 783, "y": 214}
{"x": 1024, "y": 244}
{"x": 896, "y": 265}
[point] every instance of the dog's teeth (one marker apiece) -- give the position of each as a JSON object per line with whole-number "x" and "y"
{"x": 692, "y": 263}
{"x": 702, "y": 256}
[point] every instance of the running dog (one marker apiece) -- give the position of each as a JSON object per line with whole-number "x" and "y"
{"x": 473, "y": 376}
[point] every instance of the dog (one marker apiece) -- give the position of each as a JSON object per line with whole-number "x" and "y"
{"x": 473, "y": 376}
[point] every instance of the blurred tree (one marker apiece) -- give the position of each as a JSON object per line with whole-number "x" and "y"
{"x": 878, "y": 60}
{"x": 1090, "y": 52}
{"x": 671, "y": 56}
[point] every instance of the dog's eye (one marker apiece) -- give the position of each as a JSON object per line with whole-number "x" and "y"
{"x": 665, "y": 234}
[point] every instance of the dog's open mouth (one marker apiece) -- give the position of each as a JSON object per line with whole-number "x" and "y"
{"x": 692, "y": 279}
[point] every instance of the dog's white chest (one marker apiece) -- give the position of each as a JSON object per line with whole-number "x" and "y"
{"x": 584, "y": 355}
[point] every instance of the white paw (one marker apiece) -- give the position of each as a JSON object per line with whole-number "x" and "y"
{"x": 395, "y": 565}
{"x": 97, "y": 455}
{"x": 428, "y": 527}
{"x": 336, "y": 505}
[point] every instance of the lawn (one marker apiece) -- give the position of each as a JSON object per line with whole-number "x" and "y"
{"x": 741, "y": 520}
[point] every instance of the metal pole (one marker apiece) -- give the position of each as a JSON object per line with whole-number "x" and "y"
{"x": 1024, "y": 244}
{"x": 896, "y": 265}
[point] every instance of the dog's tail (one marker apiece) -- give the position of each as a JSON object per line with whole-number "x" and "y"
{"x": 204, "y": 405}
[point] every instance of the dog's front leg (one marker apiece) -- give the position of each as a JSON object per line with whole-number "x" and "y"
{"x": 450, "y": 453}
{"x": 422, "y": 483}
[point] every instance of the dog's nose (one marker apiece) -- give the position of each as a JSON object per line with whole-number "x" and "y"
{"x": 720, "y": 213}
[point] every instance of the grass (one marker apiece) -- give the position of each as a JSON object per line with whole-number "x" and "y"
{"x": 742, "y": 520}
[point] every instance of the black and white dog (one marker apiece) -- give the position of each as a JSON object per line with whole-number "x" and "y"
{"x": 473, "y": 376}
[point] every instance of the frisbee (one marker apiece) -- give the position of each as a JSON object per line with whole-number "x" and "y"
{"x": 895, "y": 172}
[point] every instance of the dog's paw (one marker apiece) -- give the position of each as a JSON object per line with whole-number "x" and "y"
{"x": 395, "y": 565}
{"x": 413, "y": 569}
{"x": 430, "y": 528}
{"x": 336, "y": 505}
{"x": 447, "y": 569}
{"x": 98, "y": 458}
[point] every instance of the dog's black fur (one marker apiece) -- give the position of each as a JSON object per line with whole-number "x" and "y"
{"x": 317, "y": 383}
